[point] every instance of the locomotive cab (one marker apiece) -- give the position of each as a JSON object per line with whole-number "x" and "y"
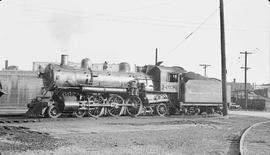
{"x": 166, "y": 79}
{"x": 167, "y": 82}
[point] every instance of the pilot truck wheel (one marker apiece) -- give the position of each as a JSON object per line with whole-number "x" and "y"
{"x": 53, "y": 111}
{"x": 80, "y": 113}
{"x": 161, "y": 109}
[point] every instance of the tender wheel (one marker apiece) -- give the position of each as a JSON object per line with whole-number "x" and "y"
{"x": 115, "y": 110}
{"x": 185, "y": 111}
{"x": 220, "y": 112}
{"x": 197, "y": 111}
{"x": 210, "y": 110}
{"x": 53, "y": 111}
{"x": 161, "y": 109}
{"x": 80, "y": 113}
{"x": 136, "y": 107}
{"x": 95, "y": 111}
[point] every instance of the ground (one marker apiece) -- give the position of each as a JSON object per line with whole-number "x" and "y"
{"x": 212, "y": 135}
{"x": 257, "y": 139}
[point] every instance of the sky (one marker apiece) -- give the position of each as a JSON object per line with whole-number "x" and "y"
{"x": 130, "y": 31}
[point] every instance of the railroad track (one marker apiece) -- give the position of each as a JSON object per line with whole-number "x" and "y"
{"x": 22, "y": 119}
{"x": 242, "y": 138}
{"x": 7, "y": 119}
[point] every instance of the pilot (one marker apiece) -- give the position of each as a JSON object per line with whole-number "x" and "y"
{"x": 1, "y": 90}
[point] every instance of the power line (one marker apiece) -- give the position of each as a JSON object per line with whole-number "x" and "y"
{"x": 157, "y": 22}
{"x": 196, "y": 29}
{"x": 128, "y": 19}
{"x": 147, "y": 7}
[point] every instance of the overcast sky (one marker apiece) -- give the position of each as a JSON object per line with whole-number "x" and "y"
{"x": 130, "y": 30}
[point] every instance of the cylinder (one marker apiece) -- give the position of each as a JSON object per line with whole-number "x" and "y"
{"x": 70, "y": 103}
{"x": 124, "y": 67}
{"x": 6, "y": 64}
{"x": 64, "y": 60}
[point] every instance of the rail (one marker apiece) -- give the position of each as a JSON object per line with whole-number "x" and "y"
{"x": 241, "y": 145}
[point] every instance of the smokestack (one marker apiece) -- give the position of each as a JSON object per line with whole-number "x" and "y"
{"x": 6, "y": 64}
{"x": 64, "y": 60}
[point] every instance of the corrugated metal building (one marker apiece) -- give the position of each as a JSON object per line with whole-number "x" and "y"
{"x": 263, "y": 90}
{"x": 239, "y": 88}
{"x": 21, "y": 86}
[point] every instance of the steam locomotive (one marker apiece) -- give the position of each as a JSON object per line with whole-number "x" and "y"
{"x": 155, "y": 89}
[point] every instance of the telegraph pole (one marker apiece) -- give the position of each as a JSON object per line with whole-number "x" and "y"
{"x": 204, "y": 67}
{"x": 245, "y": 68}
{"x": 223, "y": 59}
{"x": 156, "y": 56}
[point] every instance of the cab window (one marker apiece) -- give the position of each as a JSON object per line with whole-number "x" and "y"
{"x": 172, "y": 77}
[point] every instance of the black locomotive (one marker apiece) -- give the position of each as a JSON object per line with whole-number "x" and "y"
{"x": 156, "y": 89}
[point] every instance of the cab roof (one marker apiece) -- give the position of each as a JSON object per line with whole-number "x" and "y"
{"x": 174, "y": 69}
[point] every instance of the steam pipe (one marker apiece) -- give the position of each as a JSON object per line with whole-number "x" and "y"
{"x": 104, "y": 90}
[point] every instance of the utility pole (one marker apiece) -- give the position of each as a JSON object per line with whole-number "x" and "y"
{"x": 204, "y": 67}
{"x": 223, "y": 59}
{"x": 245, "y": 68}
{"x": 269, "y": 53}
{"x": 156, "y": 56}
